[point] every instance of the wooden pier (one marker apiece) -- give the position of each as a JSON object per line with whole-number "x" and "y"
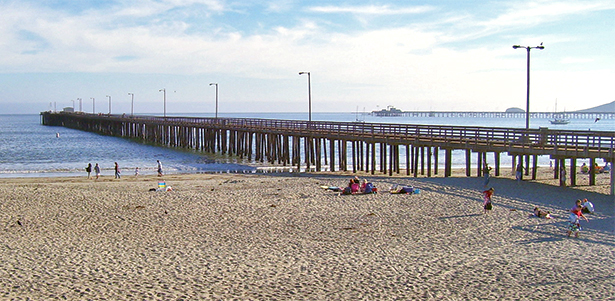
{"x": 357, "y": 146}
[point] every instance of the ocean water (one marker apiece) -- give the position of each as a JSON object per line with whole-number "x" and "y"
{"x": 29, "y": 149}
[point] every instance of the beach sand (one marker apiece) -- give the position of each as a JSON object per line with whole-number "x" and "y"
{"x": 282, "y": 237}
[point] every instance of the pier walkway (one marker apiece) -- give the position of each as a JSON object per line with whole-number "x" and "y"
{"x": 368, "y": 147}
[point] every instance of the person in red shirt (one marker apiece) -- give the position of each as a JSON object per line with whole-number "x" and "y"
{"x": 487, "y": 194}
{"x": 574, "y": 221}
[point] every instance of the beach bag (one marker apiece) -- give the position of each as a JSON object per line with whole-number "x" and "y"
{"x": 369, "y": 187}
{"x": 347, "y": 190}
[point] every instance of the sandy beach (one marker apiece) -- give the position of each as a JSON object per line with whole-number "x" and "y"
{"x": 283, "y": 237}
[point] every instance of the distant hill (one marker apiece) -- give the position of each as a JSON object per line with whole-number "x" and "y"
{"x": 514, "y": 110}
{"x": 608, "y": 108}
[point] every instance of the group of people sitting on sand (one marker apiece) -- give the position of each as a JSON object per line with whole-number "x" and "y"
{"x": 597, "y": 169}
{"x": 356, "y": 186}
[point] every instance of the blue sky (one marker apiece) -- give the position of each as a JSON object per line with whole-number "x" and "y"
{"x": 365, "y": 55}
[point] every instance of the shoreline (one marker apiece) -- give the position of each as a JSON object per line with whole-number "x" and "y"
{"x": 544, "y": 175}
{"x": 281, "y": 236}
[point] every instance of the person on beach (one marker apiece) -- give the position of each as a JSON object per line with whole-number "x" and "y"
{"x": 117, "y": 171}
{"x": 519, "y": 172}
{"x": 159, "y": 168}
{"x": 398, "y": 189}
{"x": 136, "y": 171}
{"x": 367, "y": 187}
{"x": 574, "y": 220}
{"x": 355, "y": 185}
{"x": 584, "y": 168}
{"x": 487, "y": 176}
{"x": 88, "y": 169}
{"x": 587, "y": 207}
{"x": 541, "y": 213}
{"x": 97, "y": 170}
{"x": 562, "y": 176}
{"x": 487, "y": 195}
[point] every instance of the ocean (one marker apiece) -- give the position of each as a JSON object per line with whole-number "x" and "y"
{"x": 29, "y": 149}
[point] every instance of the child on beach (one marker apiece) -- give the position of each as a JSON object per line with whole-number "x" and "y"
{"x": 136, "y": 171}
{"x": 542, "y": 213}
{"x": 574, "y": 220}
{"x": 587, "y": 207}
{"x": 487, "y": 194}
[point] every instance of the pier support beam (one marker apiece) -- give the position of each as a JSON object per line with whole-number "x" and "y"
{"x": 448, "y": 164}
{"x": 573, "y": 172}
{"x": 468, "y": 162}
{"x": 592, "y": 171}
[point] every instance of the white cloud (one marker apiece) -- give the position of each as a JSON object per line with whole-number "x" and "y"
{"x": 414, "y": 66}
{"x": 371, "y": 9}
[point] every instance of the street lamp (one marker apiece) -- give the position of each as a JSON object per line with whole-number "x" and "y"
{"x": 309, "y": 94}
{"x": 80, "y": 105}
{"x": 73, "y": 104}
{"x": 109, "y": 104}
{"x": 132, "y": 104}
{"x": 93, "y": 105}
{"x": 216, "y": 84}
{"x": 527, "y": 111}
{"x": 164, "y": 97}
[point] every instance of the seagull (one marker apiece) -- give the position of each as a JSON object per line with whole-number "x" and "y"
{"x": 596, "y": 119}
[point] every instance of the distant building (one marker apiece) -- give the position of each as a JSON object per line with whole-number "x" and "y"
{"x": 68, "y": 109}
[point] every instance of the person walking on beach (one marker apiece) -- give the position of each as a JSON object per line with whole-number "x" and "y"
{"x": 97, "y": 171}
{"x": 137, "y": 172}
{"x": 159, "y": 168}
{"x": 574, "y": 220}
{"x": 487, "y": 176}
{"x": 88, "y": 169}
{"x": 487, "y": 195}
{"x": 117, "y": 171}
{"x": 519, "y": 172}
{"x": 562, "y": 176}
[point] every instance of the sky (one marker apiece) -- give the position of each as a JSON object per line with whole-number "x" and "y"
{"x": 442, "y": 55}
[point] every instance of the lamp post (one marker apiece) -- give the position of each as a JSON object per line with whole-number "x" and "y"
{"x": 80, "y": 105}
{"x": 109, "y": 104}
{"x": 73, "y": 104}
{"x": 527, "y": 111}
{"x": 164, "y": 98}
{"x": 93, "y": 105}
{"x": 216, "y": 84}
{"x": 309, "y": 94}
{"x": 132, "y": 104}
